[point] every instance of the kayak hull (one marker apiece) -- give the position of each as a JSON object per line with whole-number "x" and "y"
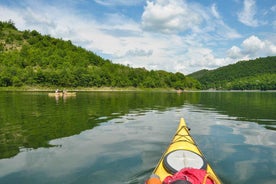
{"x": 184, "y": 153}
{"x": 61, "y": 94}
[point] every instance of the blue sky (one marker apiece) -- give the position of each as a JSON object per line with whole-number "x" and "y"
{"x": 173, "y": 35}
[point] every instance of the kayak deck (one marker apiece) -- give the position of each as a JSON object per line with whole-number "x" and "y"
{"x": 182, "y": 152}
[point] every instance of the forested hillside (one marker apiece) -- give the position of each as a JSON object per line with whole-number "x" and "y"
{"x": 28, "y": 58}
{"x": 258, "y": 74}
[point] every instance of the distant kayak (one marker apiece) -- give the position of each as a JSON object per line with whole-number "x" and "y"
{"x": 183, "y": 158}
{"x": 62, "y": 94}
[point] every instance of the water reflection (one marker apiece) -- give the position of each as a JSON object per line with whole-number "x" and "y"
{"x": 31, "y": 120}
{"x": 244, "y": 106}
{"x": 244, "y": 151}
{"x": 107, "y": 150}
{"x": 127, "y": 152}
{"x": 119, "y": 137}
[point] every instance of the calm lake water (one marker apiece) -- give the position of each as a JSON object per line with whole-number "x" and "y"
{"x": 118, "y": 137}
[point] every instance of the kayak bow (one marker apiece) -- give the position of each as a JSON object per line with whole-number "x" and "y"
{"x": 182, "y": 152}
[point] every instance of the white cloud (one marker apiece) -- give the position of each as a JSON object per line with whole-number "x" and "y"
{"x": 118, "y": 2}
{"x": 199, "y": 58}
{"x": 8, "y": 14}
{"x": 169, "y": 16}
{"x": 252, "y": 47}
{"x": 139, "y": 52}
{"x": 215, "y": 11}
{"x": 274, "y": 24}
{"x": 234, "y": 52}
{"x": 222, "y": 30}
{"x": 273, "y": 8}
{"x": 246, "y": 16}
{"x": 178, "y": 16}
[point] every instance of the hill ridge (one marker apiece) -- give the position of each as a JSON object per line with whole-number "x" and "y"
{"x": 241, "y": 75}
{"x": 29, "y": 58}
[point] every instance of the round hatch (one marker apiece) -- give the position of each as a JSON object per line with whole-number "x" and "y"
{"x": 179, "y": 159}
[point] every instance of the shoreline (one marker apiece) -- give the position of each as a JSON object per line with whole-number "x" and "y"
{"x": 81, "y": 89}
{"x": 113, "y": 89}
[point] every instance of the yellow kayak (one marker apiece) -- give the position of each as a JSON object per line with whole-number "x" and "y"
{"x": 183, "y": 152}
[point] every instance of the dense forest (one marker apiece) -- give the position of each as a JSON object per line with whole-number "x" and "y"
{"x": 28, "y": 58}
{"x": 258, "y": 74}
